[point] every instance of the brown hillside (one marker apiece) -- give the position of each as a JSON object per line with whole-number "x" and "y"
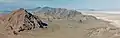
{"x": 21, "y": 20}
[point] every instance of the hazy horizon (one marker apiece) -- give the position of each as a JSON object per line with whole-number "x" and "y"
{"x": 111, "y": 5}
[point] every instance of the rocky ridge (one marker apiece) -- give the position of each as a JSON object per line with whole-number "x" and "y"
{"x": 50, "y": 14}
{"x": 21, "y": 20}
{"x": 56, "y": 12}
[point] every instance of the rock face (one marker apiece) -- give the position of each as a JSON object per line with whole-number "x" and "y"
{"x": 21, "y": 20}
{"x": 56, "y": 12}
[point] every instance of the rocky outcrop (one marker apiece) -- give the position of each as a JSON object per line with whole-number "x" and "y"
{"x": 84, "y": 18}
{"x": 21, "y": 20}
{"x": 102, "y": 31}
{"x": 87, "y": 17}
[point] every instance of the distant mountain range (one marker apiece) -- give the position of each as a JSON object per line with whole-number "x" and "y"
{"x": 43, "y": 8}
{"x": 56, "y": 12}
{"x": 46, "y": 8}
{"x": 5, "y": 11}
{"x": 30, "y": 10}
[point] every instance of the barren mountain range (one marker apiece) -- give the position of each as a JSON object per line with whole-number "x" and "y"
{"x": 56, "y": 12}
{"x": 65, "y": 23}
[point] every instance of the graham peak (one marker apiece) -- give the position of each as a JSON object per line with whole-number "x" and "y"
{"x": 21, "y": 10}
{"x": 21, "y": 20}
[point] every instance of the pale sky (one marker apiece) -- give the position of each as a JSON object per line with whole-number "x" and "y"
{"x": 71, "y": 4}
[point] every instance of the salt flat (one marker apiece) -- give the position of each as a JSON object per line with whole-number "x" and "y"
{"x": 107, "y": 16}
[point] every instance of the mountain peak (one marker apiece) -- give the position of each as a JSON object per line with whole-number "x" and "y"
{"x": 21, "y": 9}
{"x": 21, "y": 20}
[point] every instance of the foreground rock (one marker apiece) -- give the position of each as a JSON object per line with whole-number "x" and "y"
{"x": 21, "y": 20}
